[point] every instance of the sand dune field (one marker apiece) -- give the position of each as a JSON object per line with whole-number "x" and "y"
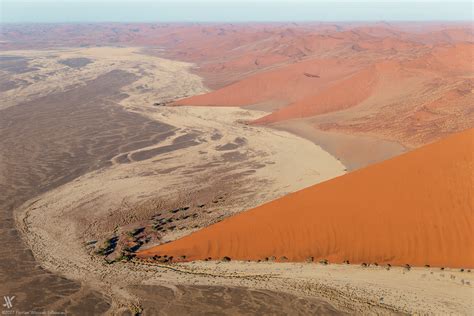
{"x": 254, "y": 168}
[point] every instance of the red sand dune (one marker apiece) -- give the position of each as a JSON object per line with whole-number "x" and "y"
{"x": 414, "y": 102}
{"x": 343, "y": 88}
{"x": 382, "y": 82}
{"x": 375, "y": 79}
{"x": 414, "y": 209}
{"x": 283, "y": 85}
{"x": 341, "y": 95}
{"x": 371, "y": 80}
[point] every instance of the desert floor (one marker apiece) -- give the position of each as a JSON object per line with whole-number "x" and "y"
{"x": 160, "y": 157}
{"x": 114, "y": 160}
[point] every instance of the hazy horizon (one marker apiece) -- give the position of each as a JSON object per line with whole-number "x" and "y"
{"x": 76, "y": 11}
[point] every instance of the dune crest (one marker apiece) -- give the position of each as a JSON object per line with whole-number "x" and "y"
{"x": 344, "y": 94}
{"x": 285, "y": 85}
{"x": 414, "y": 209}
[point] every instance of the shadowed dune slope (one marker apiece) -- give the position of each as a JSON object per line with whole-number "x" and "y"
{"x": 414, "y": 209}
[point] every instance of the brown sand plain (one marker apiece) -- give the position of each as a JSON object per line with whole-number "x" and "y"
{"x": 121, "y": 167}
{"x": 210, "y": 180}
{"x": 46, "y": 143}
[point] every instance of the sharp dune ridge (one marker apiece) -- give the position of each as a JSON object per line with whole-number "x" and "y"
{"x": 414, "y": 209}
{"x": 286, "y": 84}
{"x": 344, "y": 94}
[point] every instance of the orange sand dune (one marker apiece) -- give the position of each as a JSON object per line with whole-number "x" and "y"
{"x": 449, "y": 60}
{"x": 382, "y": 82}
{"x": 368, "y": 80}
{"x": 283, "y": 85}
{"x": 414, "y": 209}
{"x": 344, "y": 94}
{"x": 392, "y": 99}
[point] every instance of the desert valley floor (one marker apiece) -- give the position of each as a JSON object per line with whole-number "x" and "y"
{"x": 284, "y": 171}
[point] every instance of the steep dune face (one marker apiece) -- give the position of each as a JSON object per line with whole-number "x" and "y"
{"x": 341, "y": 95}
{"x": 375, "y": 86}
{"x": 411, "y": 102}
{"x": 414, "y": 209}
{"x": 415, "y": 102}
{"x": 283, "y": 85}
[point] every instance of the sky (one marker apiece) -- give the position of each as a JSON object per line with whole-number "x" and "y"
{"x": 56, "y": 11}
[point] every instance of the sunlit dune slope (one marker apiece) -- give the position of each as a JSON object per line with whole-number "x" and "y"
{"x": 387, "y": 98}
{"x": 341, "y": 95}
{"x": 283, "y": 85}
{"x": 414, "y": 209}
{"x": 389, "y": 84}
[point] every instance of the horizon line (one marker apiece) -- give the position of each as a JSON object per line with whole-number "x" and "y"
{"x": 241, "y": 22}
